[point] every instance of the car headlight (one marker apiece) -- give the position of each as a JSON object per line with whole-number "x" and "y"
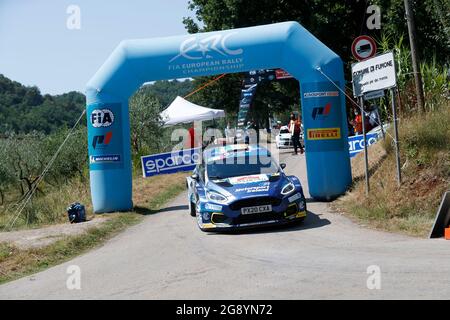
{"x": 288, "y": 189}
{"x": 215, "y": 196}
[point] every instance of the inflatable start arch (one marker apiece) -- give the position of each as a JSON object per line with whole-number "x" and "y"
{"x": 284, "y": 45}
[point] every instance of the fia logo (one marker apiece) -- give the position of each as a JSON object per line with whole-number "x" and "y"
{"x": 102, "y": 118}
{"x": 195, "y": 49}
{"x": 321, "y": 112}
{"x": 102, "y": 141}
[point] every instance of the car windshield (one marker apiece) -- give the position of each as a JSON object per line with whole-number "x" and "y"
{"x": 284, "y": 131}
{"x": 241, "y": 166}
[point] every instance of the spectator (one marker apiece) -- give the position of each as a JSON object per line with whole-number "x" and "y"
{"x": 190, "y": 142}
{"x": 357, "y": 122}
{"x": 295, "y": 130}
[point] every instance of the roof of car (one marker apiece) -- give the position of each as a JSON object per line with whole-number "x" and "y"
{"x": 233, "y": 150}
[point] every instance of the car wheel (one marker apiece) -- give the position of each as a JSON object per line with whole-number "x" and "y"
{"x": 191, "y": 209}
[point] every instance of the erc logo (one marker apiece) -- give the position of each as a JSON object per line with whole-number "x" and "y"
{"x": 102, "y": 118}
{"x": 195, "y": 49}
{"x": 321, "y": 112}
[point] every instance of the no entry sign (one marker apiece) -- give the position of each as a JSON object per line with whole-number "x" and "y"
{"x": 363, "y": 47}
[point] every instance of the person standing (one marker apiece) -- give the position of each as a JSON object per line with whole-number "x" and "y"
{"x": 357, "y": 122}
{"x": 295, "y": 130}
{"x": 191, "y": 138}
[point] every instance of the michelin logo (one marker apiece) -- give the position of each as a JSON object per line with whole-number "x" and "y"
{"x": 104, "y": 159}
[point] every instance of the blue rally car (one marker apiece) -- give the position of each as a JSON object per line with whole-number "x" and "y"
{"x": 242, "y": 186}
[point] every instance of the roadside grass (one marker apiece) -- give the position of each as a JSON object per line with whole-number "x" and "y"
{"x": 425, "y": 161}
{"x": 149, "y": 195}
{"x": 15, "y": 263}
{"x": 48, "y": 208}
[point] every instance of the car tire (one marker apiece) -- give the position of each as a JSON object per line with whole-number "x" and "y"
{"x": 192, "y": 209}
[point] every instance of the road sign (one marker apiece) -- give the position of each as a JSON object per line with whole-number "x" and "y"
{"x": 373, "y": 95}
{"x": 363, "y": 47}
{"x": 373, "y": 74}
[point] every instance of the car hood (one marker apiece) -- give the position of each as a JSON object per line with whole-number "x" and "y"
{"x": 249, "y": 186}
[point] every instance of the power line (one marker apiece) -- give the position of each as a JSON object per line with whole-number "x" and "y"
{"x": 25, "y": 201}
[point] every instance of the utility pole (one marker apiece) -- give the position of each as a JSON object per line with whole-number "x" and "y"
{"x": 414, "y": 58}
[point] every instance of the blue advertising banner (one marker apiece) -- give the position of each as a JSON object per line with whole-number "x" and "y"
{"x": 251, "y": 81}
{"x": 170, "y": 162}
{"x": 356, "y": 143}
{"x": 247, "y": 96}
{"x": 105, "y": 136}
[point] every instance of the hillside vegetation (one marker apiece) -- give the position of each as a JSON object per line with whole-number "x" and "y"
{"x": 425, "y": 161}
{"x": 24, "y": 109}
{"x": 33, "y": 126}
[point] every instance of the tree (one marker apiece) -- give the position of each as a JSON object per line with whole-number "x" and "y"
{"x": 166, "y": 91}
{"x": 145, "y": 121}
{"x": 335, "y": 23}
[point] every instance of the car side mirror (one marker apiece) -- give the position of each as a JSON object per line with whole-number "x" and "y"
{"x": 195, "y": 176}
{"x": 283, "y": 165}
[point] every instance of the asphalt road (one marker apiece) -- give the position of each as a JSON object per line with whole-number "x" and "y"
{"x": 167, "y": 257}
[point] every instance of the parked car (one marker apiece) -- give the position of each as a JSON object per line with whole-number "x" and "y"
{"x": 283, "y": 139}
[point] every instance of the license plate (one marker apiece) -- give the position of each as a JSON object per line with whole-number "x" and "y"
{"x": 256, "y": 209}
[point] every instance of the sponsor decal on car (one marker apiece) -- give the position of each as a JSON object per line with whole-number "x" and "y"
{"x": 294, "y": 197}
{"x": 248, "y": 179}
{"x": 254, "y": 189}
{"x": 324, "y": 134}
{"x": 213, "y": 207}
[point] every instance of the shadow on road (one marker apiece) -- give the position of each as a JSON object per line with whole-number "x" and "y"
{"x": 312, "y": 221}
{"x": 147, "y": 211}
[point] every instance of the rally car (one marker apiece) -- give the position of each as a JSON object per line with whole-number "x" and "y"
{"x": 242, "y": 186}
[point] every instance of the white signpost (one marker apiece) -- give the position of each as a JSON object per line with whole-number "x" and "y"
{"x": 377, "y": 73}
{"x": 371, "y": 77}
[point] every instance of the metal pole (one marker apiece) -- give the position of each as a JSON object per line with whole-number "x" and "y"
{"x": 397, "y": 147}
{"x": 414, "y": 57}
{"x": 366, "y": 159}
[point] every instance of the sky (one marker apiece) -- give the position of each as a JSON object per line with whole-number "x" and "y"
{"x": 38, "y": 49}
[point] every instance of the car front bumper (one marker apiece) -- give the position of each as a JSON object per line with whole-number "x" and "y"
{"x": 286, "y": 212}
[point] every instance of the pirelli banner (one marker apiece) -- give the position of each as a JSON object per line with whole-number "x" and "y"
{"x": 322, "y": 117}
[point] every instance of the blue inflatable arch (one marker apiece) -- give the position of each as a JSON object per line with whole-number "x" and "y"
{"x": 284, "y": 45}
